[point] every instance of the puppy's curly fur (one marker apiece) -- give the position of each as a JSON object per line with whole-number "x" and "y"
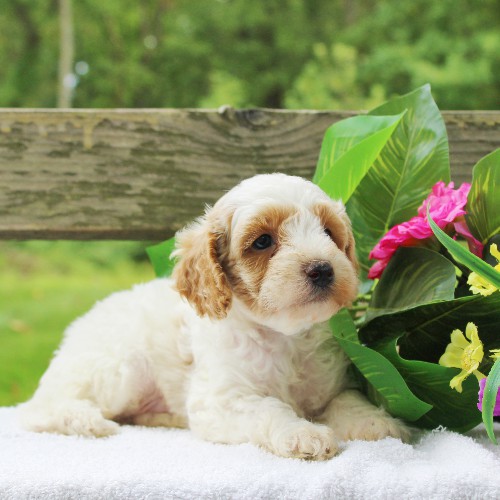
{"x": 234, "y": 346}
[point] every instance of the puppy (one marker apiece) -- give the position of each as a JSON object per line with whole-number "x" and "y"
{"x": 234, "y": 346}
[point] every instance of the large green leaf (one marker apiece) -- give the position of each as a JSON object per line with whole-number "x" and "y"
{"x": 425, "y": 330}
{"x": 431, "y": 383}
{"x": 348, "y": 150}
{"x": 413, "y": 160}
{"x": 462, "y": 255}
{"x": 159, "y": 255}
{"x": 343, "y": 326}
{"x": 490, "y": 397}
{"x": 414, "y": 276}
{"x": 392, "y": 390}
{"x": 483, "y": 202}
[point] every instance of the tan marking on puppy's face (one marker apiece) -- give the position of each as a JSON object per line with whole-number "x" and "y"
{"x": 273, "y": 280}
{"x": 247, "y": 262}
{"x": 339, "y": 228}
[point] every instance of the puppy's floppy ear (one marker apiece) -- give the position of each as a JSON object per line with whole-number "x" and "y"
{"x": 350, "y": 248}
{"x": 198, "y": 274}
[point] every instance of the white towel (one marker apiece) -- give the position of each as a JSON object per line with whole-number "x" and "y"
{"x": 144, "y": 463}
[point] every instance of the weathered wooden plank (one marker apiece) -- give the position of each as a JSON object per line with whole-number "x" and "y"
{"x": 142, "y": 174}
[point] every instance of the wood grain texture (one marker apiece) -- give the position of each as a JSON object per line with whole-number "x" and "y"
{"x": 143, "y": 174}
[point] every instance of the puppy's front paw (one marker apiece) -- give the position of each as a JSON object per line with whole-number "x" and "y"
{"x": 305, "y": 440}
{"x": 374, "y": 427}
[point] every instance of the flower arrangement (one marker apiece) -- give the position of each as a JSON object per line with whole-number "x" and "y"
{"x": 423, "y": 334}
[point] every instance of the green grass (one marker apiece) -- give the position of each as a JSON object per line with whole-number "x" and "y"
{"x": 43, "y": 287}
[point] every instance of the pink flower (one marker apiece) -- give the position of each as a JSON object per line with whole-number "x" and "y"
{"x": 475, "y": 246}
{"x": 447, "y": 209}
{"x": 496, "y": 410}
{"x": 446, "y": 203}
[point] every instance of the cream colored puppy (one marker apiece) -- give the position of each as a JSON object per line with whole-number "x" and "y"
{"x": 234, "y": 346}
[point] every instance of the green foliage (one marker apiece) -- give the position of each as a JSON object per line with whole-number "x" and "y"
{"x": 424, "y": 330}
{"x": 431, "y": 383}
{"x": 159, "y": 255}
{"x": 453, "y": 44}
{"x": 28, "y": 51}
{"x": 384, "y": 379}
{"x": 421, "y": 334}
{"x": 330, "y": 80}
{"x": 490, "y": 397}
{"x": 414, "y": 276}
{"x": 275, "y": 53}
{"x": 414, "y": 159}
{"x": 413, "y": 309}
{"x": 465, "y": 257}
{"x": 348, "y": 150}
{"x": 483, "y": 218}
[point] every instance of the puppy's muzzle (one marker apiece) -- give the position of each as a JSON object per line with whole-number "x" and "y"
{"x": 320, "y": 274}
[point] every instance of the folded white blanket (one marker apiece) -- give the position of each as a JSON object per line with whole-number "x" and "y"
{"x": 167, "y": 463}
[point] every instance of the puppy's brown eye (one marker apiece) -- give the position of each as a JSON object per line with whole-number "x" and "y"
{"x": 328, "y": 232}
{"x": 262, "y": 242}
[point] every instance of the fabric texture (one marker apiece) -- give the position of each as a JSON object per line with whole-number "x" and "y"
{"x": 170, "y": 463}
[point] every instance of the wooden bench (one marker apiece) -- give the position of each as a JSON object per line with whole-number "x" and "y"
{"x": 142, "y": 174}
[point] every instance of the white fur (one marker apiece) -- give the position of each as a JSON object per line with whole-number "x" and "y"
{"x": 269, "y": 373}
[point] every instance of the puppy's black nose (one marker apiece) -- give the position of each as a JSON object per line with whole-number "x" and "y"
{"x": 320, "y": 274}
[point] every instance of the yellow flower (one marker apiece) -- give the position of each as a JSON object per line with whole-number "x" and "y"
{"x": 494, "y": 251}
{"x": 495, "y": 354}
{"x": 460, "y": 353}
{"x": 481, "y": 285}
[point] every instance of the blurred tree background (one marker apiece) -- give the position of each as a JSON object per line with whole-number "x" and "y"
{"x": 349, "y": 54}
{"x": 312, "y": 54}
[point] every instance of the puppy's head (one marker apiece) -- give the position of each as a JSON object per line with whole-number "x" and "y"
{"x": 276, "y": 248}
